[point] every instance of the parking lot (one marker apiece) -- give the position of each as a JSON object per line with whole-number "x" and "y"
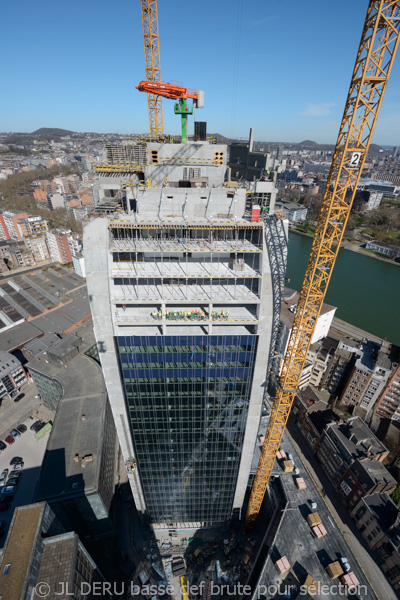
{"x": 13, "y": 413}
{"x": 32, "y": 452}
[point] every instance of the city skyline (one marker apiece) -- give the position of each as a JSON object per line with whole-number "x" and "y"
{"x": 282, "y": 72}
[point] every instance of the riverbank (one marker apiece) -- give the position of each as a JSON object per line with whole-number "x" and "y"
{"x": 353, "y": 248}
{"x": 340, "y": 328}
{"x": 365, "y": 291}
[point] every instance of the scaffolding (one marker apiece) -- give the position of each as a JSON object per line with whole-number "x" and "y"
{"x": 227, "y": 266}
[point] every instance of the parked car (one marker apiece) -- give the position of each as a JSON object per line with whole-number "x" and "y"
{"x": 4, "y": 506}
{"x": 3, "y": 446}
{"x": 6, "y": 497}
{"x": 12, "y": 481}
{"x": 14, "y": 474}
{"x": 16, "y": 434}
{"x": 19, "y": 465}
{"x": 10, "y": 440}
{"x": 38, "y": 426}
{"x": 16, "y": 459}
{"x": 21, "y": 428}
{"x": 3, "y": 476}
{"x": 9, "y": 489}
{"x": 32, "y": 427}
{"x": 19, "y": 397}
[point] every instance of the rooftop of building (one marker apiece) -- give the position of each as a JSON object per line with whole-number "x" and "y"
{"x": 8, "y": 362}
{"x": 39, "y": 291}
{"x": 18, "y": 549}
{"x": 383, "y": 361}
{"x": 320, "y": 416}
{"x": 371, "y": 472}
{"x": 72, "y": 460}
{"x": 346, "y": 341}
{"x": 280, "y": 203}
{"x": 288, "y": 308}
{"x": 357, "y": 439}
{"x": 38, "y": 345}
{"x": 310, "y": 396}
{"x": 17, "y": 336}
{"x": 373, "y": 355}
{"x": 383, "y": 508}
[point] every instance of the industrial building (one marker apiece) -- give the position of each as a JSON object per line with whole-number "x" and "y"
{"x": 185, "y": 293}
{"x": 78, "y": 473}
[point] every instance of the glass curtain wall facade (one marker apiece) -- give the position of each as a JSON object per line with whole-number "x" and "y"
{"x": 187, "y": 399}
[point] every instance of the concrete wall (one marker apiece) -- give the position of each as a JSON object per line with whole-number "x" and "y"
{"x": 190, "y": 202}
{"x": 98, "y": 262}
{"x": 193, "y": 155}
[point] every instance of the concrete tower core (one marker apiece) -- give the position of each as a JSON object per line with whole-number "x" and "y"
{"x": 185, "y": 292}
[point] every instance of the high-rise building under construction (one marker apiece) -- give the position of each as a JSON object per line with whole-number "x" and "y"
{"x": 184, "y": 282}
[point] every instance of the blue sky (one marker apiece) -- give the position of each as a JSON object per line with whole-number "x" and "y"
{"x": 285, "y": 70}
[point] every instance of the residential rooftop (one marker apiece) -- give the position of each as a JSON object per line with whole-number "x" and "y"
{"x": 371, "y": 472}
{"x": 383, "y": 508}
{"x": 357, "y": 439}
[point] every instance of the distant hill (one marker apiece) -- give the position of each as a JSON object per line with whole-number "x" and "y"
{"x": 51, "y": 132}
{"x": 308, "y": 143}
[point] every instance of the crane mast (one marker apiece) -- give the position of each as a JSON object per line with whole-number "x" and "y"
{"x": 378, "y": 46}
{"x": 152, "y": 62}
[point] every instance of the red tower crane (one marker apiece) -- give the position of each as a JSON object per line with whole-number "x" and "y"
{"x": 175, "y": 92}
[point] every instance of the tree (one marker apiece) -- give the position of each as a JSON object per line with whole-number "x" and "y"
{"x": 395, "y": 496}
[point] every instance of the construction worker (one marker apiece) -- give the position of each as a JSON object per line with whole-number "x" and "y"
{"x": 154, "y": 314}
{"x": 226, "y": 314}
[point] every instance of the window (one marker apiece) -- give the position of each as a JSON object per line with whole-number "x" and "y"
{"x": 6, "y": 570}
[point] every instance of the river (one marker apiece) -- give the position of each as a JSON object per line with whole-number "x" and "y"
{"x": 366, "y": 291}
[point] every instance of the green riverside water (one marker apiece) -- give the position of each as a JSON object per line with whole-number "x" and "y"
{"x": 366, "y": 291}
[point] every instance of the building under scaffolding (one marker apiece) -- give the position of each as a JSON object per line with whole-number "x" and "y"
{"x": 185, "y": 295}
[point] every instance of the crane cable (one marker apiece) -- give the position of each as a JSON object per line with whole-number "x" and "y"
{"x": 236, "y": 66}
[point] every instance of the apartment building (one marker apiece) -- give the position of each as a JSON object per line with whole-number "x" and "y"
{"x": 311, "y": 414}
{"x": 58, "y": 245}
{"x": 345, "y": 442}
{"x": 38, "y": 247}
{"x": 12, "y": 374}
{"x": 365, "y": 477}
{"x": 4, "y": 233}
{"x": 11, "y": 219}
{"x": 377, "y": 517}
{"x": 388, "y": 405}
{"x": 367, "y": 378}
{"x": 32, "y": 225}
{"x": 340, "y": 365}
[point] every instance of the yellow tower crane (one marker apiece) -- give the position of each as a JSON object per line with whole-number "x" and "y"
{"x": 152, "y": 62}
{"x": 378, "y": 46}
